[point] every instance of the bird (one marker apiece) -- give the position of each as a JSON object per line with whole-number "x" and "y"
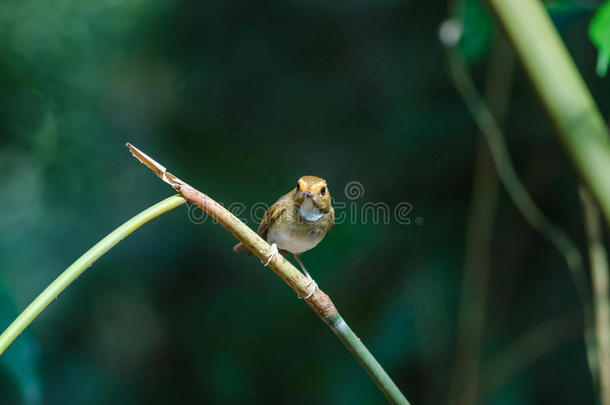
{"x": 297, "y": 222}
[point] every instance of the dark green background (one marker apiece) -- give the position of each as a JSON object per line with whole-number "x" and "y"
{"x": 240, "y": 99}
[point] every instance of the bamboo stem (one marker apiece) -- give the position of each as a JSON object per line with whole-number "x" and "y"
{"x": 562, "y": 91}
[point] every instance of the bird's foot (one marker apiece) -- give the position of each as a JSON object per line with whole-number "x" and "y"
{"x": 271, "y": 255}
{"x": 313, "y": 288}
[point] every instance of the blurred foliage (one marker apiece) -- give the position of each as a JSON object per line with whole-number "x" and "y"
{"x": 241, "y": 99}
{"x": 478, "y": 27}
{"x": 599, "y": 31}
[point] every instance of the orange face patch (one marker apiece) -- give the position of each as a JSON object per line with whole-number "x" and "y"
{"x": 312, "y": 183}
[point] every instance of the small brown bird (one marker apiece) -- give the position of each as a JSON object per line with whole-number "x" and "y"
{"x": 298, "y": 221}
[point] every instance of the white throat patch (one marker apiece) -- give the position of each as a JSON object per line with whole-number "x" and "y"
{"x": 309, "y": 212}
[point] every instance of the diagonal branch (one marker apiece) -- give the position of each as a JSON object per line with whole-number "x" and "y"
{"x": 319, "y": 301}
{"x": 562, "y": 91}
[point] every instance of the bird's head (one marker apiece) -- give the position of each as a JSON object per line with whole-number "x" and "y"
{"x": 315, "y": 190}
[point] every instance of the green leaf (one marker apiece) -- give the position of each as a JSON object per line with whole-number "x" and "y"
{"x": 599, "y": 32}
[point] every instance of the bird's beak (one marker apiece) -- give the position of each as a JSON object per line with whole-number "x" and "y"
{"x": 307, "y": 194}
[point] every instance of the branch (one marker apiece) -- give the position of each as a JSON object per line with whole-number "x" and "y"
{"x": 319, "y": 301}
{"x": 79, "y": 266}
{"x": 601, "y": 303}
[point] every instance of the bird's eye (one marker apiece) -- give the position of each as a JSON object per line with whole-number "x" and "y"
{"x": 298, "y": 187}
{"x": 323, "y": 191}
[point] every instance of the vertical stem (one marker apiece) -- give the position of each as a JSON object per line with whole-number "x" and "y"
{"x": 479, "y": 230}
{"x": 601, "y": 303}
{"x": 562, "y": 91}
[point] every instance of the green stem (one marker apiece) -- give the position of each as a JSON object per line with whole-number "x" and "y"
{"x": 367, "y": 361}
{"x": 562, "y": 91}
{"x": 601, "y": 300}
{"x": 79, "y": 266}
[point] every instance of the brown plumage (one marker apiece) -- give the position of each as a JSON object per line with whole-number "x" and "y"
{"x": 299, "y": 220}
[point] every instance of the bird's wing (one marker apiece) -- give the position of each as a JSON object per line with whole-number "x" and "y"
{"x": 271, "y": 215}
{"x": 332, "y": 219}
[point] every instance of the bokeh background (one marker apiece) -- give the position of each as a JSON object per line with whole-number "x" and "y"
{"x": 240, "y": 99}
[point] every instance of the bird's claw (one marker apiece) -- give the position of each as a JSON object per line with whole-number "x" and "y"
{"x": 313, "y": 290}
{"x": 271, "y": 255}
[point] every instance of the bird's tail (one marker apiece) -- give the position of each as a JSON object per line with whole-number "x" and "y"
{"x": 241, "y": 248}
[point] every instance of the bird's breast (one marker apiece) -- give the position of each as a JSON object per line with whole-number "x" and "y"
{"x": 295, "y": 238}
